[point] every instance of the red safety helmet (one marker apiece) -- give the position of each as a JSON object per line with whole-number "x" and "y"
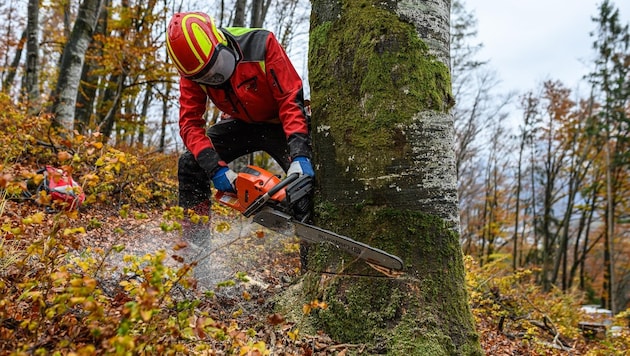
{"x": 194, "y": 43}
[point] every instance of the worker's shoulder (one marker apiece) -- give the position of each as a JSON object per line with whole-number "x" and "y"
{"x": 247, "y": 31}
{"x": 252, "y": 42}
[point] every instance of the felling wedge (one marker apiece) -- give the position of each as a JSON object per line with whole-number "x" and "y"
{"x": 267, "y": 198}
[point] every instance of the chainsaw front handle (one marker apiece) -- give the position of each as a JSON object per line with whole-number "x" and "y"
{"x": 261, "y": 200}
{"x": 283, "y": 183}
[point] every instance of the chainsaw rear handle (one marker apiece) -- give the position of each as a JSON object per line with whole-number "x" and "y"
{"x": 261, "y": 200}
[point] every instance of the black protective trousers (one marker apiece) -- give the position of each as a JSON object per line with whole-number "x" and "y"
{"x": 231, "y": 139}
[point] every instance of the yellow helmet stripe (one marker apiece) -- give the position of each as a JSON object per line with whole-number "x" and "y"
{"x": 198, "y": 34}
{"x": 202, "y": 40}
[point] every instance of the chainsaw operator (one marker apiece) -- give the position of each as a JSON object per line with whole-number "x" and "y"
{"x": 248, "y": 76}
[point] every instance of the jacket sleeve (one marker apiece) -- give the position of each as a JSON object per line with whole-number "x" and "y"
{"x": 288, "y": 91}
{"x": 192, "y": 125}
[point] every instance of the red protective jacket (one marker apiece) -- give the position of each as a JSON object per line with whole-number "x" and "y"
{"x": 265, "y": 88}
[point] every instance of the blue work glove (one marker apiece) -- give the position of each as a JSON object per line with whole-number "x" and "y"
{"x": 223, "y": 180}
{"x": 301, "y": 165}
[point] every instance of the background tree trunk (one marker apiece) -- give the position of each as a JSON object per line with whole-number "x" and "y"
{"x": 610, "y": 80}
{"x": 86, "y": 96}
{"x": 7, "y": 83}
{"x": 239, "y": 13}
{"x": 65, "y": 93}
{"x": 258, "y": 12}
{"x": 31, "y": 86}
{"x": 383, "y": 141}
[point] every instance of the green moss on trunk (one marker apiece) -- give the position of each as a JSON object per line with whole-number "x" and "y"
{"x": 365, "y": 309}
{"x": 370, "y": 73}
{"x": 371, "y": 76}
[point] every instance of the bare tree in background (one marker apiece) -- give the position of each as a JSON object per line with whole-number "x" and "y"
{"x": 65, "y": 93}
{"x": 86, "y": 95}
{"x": 476, "y": 108}
{"x": 31, "y": 78}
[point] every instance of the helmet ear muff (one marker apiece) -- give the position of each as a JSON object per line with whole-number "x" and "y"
{"x": 191, "y": 40}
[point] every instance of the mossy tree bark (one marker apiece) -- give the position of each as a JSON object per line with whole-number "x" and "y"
{"x": 383, "y": 141}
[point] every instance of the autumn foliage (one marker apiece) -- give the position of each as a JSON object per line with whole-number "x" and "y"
{"x": 544, "y": 212}
{"x": 60, "y": 294}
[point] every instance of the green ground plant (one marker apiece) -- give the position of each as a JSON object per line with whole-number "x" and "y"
{"x": 59, "y": 296}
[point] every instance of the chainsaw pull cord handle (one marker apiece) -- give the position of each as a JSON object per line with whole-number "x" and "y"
{"x": 261, "y": 200}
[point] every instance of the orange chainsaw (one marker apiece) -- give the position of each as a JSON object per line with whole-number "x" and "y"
{"x": 270, "y": 200}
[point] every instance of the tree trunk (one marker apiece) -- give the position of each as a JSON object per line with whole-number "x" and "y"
{"x": 533, "y": 253}
{"x": 86, "y": 96}
{"x": 7, "y": 83}
{"x": 383, "y": 141}
{"x": 258, "y": 12}
{"x": 32, "y": 58}
{"x": 610, "y": 77}
{"x": 112, "y": 98}
{"x": 239, "y": 13}
{"x": 65, "y": 93}
{"x": 141, "y": 127}
{"x": 168, "y": 88}
{"x": 530, "y": 108}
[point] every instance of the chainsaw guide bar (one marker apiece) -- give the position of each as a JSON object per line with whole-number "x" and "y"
{"x": 284, "y": 224}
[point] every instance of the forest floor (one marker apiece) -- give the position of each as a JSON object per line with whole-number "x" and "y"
{"x": 271, "y": 263}
{"x": 268, "y": 264}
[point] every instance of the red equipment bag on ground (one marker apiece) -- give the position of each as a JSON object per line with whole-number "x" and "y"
{"x": 63, "y": 190}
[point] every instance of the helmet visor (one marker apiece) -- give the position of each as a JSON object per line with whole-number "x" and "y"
{"x": 219, "y": 69}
